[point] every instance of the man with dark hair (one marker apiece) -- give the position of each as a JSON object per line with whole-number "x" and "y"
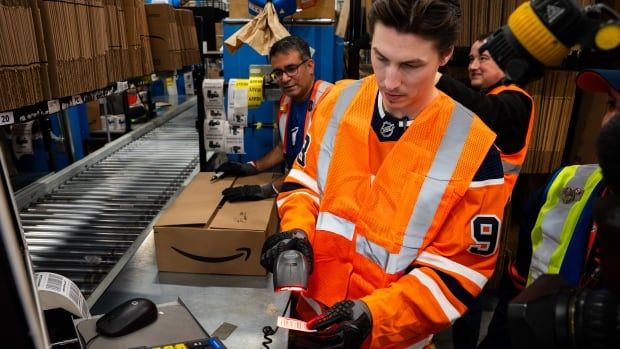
{"x": 509, "y": 111}
{"x": 503, "y": 106}
{"x": 396, "y": 197}
{"x": 294, "y": 73}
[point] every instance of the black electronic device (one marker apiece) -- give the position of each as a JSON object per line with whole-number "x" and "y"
{"x": 290, "y": 272}
{"x": 541, "y": 33}
{"x": 127, "y": 317}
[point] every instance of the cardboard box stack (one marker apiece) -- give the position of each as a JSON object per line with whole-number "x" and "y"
{"x": 118, "y": 54}
{"x": 554, "y": 96}
{"x": 190, "y": 53}
{"x": 165, "y": 44}
{"x": 23, "y": 60}
{"x": 76, "y": 41}
{"x": 138, "y": 41}
{"x": 219, "y": 35}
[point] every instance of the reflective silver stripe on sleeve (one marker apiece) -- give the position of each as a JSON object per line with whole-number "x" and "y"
{"x": 390, "y": 262}
{"x": 340, "y": 226}
{"x": 421, "y": 344}
{"x": 447, "y": 264}
{"x": 510, "y": 168}
{"x": 327, "y": 143}
{"x": 320, "y": 90}
{"x": 444, "y": 303}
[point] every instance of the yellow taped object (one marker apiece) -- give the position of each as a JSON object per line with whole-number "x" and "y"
{"x": 242, "y": 83}
{"x": 608, "y": 37}
{"x": 255, "y": 91}
{"x": 532, "y": 33}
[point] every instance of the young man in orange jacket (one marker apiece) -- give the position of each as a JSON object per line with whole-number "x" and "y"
{"x": 397, "y": 195}
{"x": 293, "y": 70}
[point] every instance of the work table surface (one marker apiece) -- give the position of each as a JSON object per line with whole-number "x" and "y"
{"x": 247, "y": 302}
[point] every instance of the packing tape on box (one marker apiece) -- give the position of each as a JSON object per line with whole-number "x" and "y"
{"x": 255, "y": 91}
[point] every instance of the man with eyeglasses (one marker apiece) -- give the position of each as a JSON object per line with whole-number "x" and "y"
{"x": 293, "y": 70}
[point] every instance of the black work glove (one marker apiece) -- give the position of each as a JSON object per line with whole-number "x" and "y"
{"x": 344, "y": 326}
{"x": 249, "y": 192}
{"x": 234, "y": 168}
{"x": 295, "y": 239}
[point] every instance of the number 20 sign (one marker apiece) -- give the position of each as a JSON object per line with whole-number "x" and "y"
{"x": 6, "y": 118}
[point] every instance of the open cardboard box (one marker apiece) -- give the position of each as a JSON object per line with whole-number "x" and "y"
{"x": 198, "y": 233}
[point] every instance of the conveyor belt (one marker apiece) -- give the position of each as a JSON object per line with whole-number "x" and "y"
{"x": 92, "y": 221}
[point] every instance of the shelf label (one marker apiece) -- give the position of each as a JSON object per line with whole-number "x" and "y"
{"x": 53, "y": 106}
{"x": 122, "y": 86}
{"x": 7, "y": 118}
{"x": 75, "y": 100}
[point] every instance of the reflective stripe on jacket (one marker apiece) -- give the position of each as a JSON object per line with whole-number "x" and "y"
{"x": 401, "y": 240}
{"x": 318, "y": 91}
{"x": 560, "y": 235}
{"x": 512, "y": 163}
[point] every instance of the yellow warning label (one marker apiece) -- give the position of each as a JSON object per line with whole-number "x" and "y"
{"x": 241, "y": 83}
{"x": 255, "y": 91}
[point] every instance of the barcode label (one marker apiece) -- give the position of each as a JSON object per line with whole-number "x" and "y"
{"x": 53, "y": 106}
{"x": 75, "y": 294}
{"x": 54, "y": 283}
{"x": 7, "y": 118}
{"x": 293, "y": 324}
{"x": 122, "y": 86}
{"x": 56, "y": 291}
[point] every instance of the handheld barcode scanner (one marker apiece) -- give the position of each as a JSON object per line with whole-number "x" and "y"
{"x": 290, "y": 272}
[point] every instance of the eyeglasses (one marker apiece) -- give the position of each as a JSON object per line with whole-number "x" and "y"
{"x": 290, "y": 70}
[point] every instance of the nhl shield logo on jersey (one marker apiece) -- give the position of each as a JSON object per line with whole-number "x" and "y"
{"x": 387, "y": 129}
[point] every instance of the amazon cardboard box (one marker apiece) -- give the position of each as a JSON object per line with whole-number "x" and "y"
{"x": 198, "y": 233}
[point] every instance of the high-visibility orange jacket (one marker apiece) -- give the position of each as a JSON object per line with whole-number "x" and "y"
{"x": 319, "y": 90}
{"x": 512, "y": 162}
{"x": 416, "y": 240}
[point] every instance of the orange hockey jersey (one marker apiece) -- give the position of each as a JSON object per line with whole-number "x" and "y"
{"x": 416, "y": 240}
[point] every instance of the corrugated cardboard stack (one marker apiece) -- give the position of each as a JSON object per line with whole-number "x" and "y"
{"x": 138, "y": 41}
{"x": 554, "y": 96}
{"x": 165, "y": 44}
{"x": 118, "y": 55}
{"x": 188, "y": 38}
{"x": 23, "y": 61}
{"x": 122, "y": 30}
{"x": 75, "y": 34}
{"x": 94, "y": 61}
{"x": 113, "y": 58}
